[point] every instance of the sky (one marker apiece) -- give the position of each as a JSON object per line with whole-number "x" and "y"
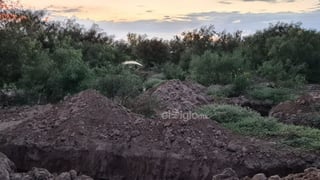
{"x": 166, "y": 18}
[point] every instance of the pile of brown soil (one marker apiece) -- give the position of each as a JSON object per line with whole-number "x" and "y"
{"x": 303, "y": 111}
{"x": 89, "y": 133}
{"x": 16, "y": 115}
{"x": 174, "y": 95}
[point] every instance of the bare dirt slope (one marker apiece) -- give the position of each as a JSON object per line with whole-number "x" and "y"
{"x": 303, "y": 111}
{"x": 89, "y": 133}
{"x": 174, "y": 95}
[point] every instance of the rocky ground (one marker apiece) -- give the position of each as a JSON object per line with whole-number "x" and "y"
{"x": 8, "y": 172}
{"x": 307, "y": 174}
{"x": 89, "y": 133}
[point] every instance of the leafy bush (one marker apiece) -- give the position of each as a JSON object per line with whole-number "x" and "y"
{"x": 51, "y": 78}
{"x": 285, "y": 51}
{"x": 124, "y": 85}
{"x": 301, "y": 137}
{"x": 227, "y": 113}
{"x": 173, "y": 71}
{"x": 256, "y": 126}
{"x": 150, "y": 83}
{"x": 158, "y": 76}
{"x": 283, "y": 74}
{"x": 212, "y": 68}
{"x": 241, "y": 83}
{"x": 275, "y": 95}
{"x": 220, "y": 90}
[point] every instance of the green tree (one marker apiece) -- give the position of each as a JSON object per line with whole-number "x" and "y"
{"x": 290, "y": 49}
{"x": 212, "y": 68}
{"x": 118, "y": 81}
{"x": 152, "y": 52}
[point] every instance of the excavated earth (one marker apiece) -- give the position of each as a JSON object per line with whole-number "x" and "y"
{"x": 307, "y": 174}
{"x": 90, "y": 134}
{"x": 8, "y": 172}
{"x": 174, "y": 95}
{"x": 303, "y": 111}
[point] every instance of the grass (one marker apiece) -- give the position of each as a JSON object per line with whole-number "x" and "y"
{"x": 250, "y": 123}
{"x": 275, "y": 95}
{"x": 225, "y": 113}
{"x": 220, "y": 90}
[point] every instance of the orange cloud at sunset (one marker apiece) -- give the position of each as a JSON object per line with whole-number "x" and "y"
{"x": 128, "y": 10}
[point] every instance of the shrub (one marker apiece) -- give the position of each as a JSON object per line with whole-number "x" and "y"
{"x": 220, "y": 90}
{"x": 275, "y": 71}
{"x": 241, "y": 83}
{"x": 150, "y": 83}
{"x": 256, "y": 126}
{"x": 247, "y": 122}
{"x": 48, "y": 78}
{"x": 211, "y": 68}
{"x": 227, "y": 113}
{"x": 158, "y": 76}
{"x": 173, "y": 71}
{"x": 301, "y": 137}
{"x": 123, "y": 85}
{"x": 275, "y": 95}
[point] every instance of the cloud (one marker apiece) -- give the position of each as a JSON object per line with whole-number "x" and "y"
{"x": 261, "y": 0}
{"x": 225, "y": 2}
{"x": 231, "y": 22}
{"x": 236, "y": 21}
{"x": 271, "y": 1}
{"x": 63, "y": 9}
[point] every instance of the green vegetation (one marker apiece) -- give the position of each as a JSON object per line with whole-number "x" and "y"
{"x": 43, "y": 61}
{"x": 220, "y": 90}
{"x": 274, "y": 95}
{"x": 152, "y": 82}
{"x": 227, "y": 113}
{"x": 172, "y": 71}
{"x": 212, "y": 68}
{"x": 250, "y": 123}
{"x": 46, "y": 60}
{"x": 119, "y": 82}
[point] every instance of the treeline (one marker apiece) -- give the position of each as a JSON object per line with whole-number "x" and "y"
{"x": 44, "y": 60}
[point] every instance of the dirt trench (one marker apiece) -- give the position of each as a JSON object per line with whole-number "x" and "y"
{"x": 89, "y": 133}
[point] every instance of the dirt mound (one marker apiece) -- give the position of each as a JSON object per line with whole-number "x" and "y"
{"x": 89, "y": 133}
{"x": 15, "y": 115}
{"x": 175, "y": 95}
{"x": 303, "y": 111}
